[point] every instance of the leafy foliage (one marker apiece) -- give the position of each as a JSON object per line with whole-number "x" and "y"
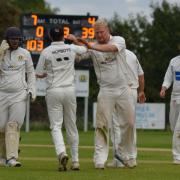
{"x": 11, "y": 11}
{"x": 155, "y": 42}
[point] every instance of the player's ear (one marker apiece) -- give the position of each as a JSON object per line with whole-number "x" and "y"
{"x": 50, "y": 37}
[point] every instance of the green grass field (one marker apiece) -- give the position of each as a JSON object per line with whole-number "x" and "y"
{"x": 39, "y": 160}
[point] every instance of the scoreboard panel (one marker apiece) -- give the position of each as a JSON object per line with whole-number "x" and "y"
{"x": 35, "y": 28}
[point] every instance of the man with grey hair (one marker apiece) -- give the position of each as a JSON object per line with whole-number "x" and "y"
{"x": 114, "y": 77}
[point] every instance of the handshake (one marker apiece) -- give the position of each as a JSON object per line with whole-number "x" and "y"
{"x": 79, "y": 41}
{"x": 83, "y": 41}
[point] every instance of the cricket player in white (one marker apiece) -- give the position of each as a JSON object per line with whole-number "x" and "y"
{"x": 172, "y": 76}
{"x": 56, "y": 62}
{"x": 109, "y": 60}
{"x": 15, "y": 63}
{"x": 137, "y": 90}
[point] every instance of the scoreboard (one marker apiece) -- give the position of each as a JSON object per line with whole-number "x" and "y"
{"x": 35, "y": 29}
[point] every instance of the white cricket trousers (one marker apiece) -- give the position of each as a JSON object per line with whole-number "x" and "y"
{"x": 61, "y": 105}
{"x": 116, "y": 131}
{"x": 106, "y": 103}
{"x": 12, "y": 108}
{"x": 174, "y": 117}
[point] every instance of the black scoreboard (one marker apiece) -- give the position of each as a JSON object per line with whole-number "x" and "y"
{"x": 35, "y": 28}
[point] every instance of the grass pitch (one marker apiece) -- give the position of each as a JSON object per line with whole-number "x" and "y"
{"x": 39, "y": 160}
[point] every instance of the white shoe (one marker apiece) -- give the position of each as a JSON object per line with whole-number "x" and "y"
{"x": 99, "y": 166}
{"x": 13, "y": 163}
{"x": 131, "y": 163}
{"x": 75, "y": 166}
{"x": 176, "y": 161}
{"x": 63, "y": 160}
{"x": 115, "y": 164}
{"x": 2, "y": 162}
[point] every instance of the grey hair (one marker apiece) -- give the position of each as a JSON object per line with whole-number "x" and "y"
{"x": 101, "y": 22}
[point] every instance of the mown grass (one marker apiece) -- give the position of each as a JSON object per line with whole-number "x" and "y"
{"x": 40, "y": 163}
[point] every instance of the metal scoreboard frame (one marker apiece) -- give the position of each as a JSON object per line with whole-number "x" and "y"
{"x": 35, "y": 28}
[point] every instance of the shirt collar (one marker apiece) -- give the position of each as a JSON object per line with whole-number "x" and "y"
{"x": 57, "y": 43}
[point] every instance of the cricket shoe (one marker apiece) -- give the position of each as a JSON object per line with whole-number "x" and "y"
{"x": 13, "y": 163}
{"x": 99, "y": 166}
{"x": 63, "y": 160}
{"x": 2, "y": 162}
{"x": 176, "y": 162}
{"x": 115, "y": 164}
{"x": 130, "y": 163}
{"x": 75, "y": 166}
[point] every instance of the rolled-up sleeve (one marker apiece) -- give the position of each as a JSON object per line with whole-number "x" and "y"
{"x": 119, "y": 42}
{"x": 168, "y": 78}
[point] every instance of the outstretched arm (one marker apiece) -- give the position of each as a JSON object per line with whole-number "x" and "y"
{"x": 99, "y": 47}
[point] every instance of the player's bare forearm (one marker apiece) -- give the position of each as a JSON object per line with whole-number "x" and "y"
{"x": 99, "y": 47}
{"x": 141, "y": 83}
{"x": 163, "y": 92}
{"x": 41, "y": 75}
{"x": 74, "y": 39}
{"x": 141, "y": 94}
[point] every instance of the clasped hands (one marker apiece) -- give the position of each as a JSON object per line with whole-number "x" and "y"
{"x": 79, "y": 41}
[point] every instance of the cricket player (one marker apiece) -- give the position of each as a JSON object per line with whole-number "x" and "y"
{"x": 172, "y": 76}
{"x": 56, "y": 63}
{"x": 137, "y": 90}
{"x": 113, "y": 76}
{"x": 15, "y": 64}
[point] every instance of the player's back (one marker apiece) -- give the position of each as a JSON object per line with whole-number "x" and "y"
{"x": 59, "y": 65}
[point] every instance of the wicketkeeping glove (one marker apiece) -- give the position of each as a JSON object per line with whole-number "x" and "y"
{"x": 4, "y": 46}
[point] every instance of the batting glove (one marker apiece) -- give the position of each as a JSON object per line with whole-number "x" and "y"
{"x": 32, "y": 95}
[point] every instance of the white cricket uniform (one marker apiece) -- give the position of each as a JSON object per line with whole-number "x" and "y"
{"x": 115, "y": 130}
{"x": 13, "y": 85}
{"x": 111, "y": 69}
{"x": 172, "y": 76}
{"x": 57, "y": 61}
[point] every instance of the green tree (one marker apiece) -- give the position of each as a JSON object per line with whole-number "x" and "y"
{"x": 9, "y": 16}
{"x": 154, "y": 42}
{"x": 162, "y": 44}
{"x": 11, "y": 10}
{"x": 35, "y": 6}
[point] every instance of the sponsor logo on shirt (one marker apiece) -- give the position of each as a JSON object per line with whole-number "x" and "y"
{"x": 10, "y": 68}
{"x": 177, "y": 76}
{"x": 83, "y": 78}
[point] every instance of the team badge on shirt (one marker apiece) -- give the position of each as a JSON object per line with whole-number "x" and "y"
{"x": 20, "y": 58}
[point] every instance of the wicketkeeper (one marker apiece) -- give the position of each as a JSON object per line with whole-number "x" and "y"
{"x": 15, "y": 64}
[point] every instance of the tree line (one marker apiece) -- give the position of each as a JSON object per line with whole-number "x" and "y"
{"x": 154, "y": 41}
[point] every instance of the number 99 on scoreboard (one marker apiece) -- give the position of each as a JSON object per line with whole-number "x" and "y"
{"x": 35, "y": 28}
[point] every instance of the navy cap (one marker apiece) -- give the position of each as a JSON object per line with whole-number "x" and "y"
{"x": 56, "y": 33}
{"x": 13, "y": 32}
